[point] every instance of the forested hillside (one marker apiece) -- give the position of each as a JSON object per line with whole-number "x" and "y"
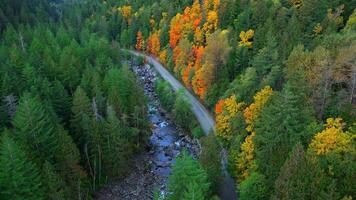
{"x": 278, "y": 75}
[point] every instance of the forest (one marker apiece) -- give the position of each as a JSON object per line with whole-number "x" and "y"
{"x": 279, "y": 77}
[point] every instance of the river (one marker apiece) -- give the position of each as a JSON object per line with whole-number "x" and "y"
{"x": 153, "y": 166}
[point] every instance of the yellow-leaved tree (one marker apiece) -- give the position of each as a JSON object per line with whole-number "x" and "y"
{"x": 332, "y": 139}
{"x": 245, "y": 164}
{"x": 246, "y": 38}
{"x": 230, "y": 108}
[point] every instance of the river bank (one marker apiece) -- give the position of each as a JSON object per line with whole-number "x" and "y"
{"x": 153, "y": 166}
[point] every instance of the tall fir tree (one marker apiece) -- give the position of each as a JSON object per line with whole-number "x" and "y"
{"x": 185, "y": 173}
{"x": 282, "y": 123}
{"x": 19, "y": 177}
{"x": 81, "y": 115}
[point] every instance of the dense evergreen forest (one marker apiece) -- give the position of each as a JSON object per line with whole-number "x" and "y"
{"x": 278, "y": 75}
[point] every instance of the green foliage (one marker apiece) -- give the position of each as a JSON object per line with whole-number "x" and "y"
{"x": 116, "y": 149}
{"x": 33, "y": 126}
{"x": 19, "y": 177}
{"x": 282, "y": 124}
{"x": 198, "y": 132}
{"x": 254, "y": 187}
{"x": 182, "y": 113}
{"x": 301, "y": 178}
{"x": 165, "y": 94}
{"x": 210, "y": 160}
{"x": 188, "y": 179}
{"x": 81, "y": 114}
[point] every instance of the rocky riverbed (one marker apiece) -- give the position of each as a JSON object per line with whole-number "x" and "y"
{"x": 152, "y": 167}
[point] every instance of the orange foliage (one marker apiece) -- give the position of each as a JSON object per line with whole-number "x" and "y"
{"x": 140, "y": 41}
{"x": 199, "y": 86}
{"x": 186, "y": 75}
{"x": 175, "y": 31}
{"x": 219, "y": 106}
{"x": 126, "y": 12}
{"x": 153, "y": 43}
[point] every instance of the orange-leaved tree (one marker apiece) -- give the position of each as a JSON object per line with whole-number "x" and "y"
{"x": 153, "y": 43}
{"x": 139, "y": 41}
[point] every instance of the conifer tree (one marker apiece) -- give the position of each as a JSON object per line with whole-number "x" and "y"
{"x": 117, "y": 151}
{"x": 81, "y": 113}
{"x": 300, "y": 178}
{"x": 33, "y": 126}
{"x": 19, "y": 176}
{"x": 282, "y": 123}
{"x": 185, "y": 173}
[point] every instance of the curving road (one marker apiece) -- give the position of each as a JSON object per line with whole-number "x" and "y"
{"x": 226, "y": 190}
{"x": 204, "y": 117}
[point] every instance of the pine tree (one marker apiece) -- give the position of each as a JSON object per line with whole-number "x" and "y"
{"x": 300, "y": 178}
{"x": 55, "y": 186}
{"x": 254, "y": 187}
{"x": 194, "y": 192}
{"x": 282, "y": 123}
{"x": 185, "y": 173}
{"x": 19, "y": 176}
{"x": 211, "y": 161}
{"x": 81, "y": 113}
{"x": 117, "y": 151}
{"x": 33, "y": 126}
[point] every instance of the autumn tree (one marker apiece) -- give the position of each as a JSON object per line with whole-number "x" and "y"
{"x": 227, "y": 109}
{"x": 245, "y": 38}
{"x": 139, "y": 41}
{"x": 215, "y": 55}
{"x": 154, "y": 43}
{"x": 333, "y": 148}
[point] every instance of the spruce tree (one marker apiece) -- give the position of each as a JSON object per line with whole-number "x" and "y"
{"x": 211, "y": 161}
{"x": 19, "y": 176}
{"x": 187, "y": 172}
{"x": 117, "y": 149}
{"x": 282, "y": 123}
{"x": 81, "y": 115}
{"x": 34, "y": 127}
{"x": 301, "y": 178}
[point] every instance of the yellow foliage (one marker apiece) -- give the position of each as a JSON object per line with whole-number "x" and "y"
{"x": 230, "y": 109}
{"x": 296, "y": 3}
{"x": 152, "y": 22}
{"x": 126, "y": 12}
{"x": 252, "y": 112}
{"x": 332, "y": 139}
{"x": 352, "y": 21}
{"x": 318, "y": 29}
{"x": 211, "y": 23}
{"x": 244, "y": 162}
{"x": 245, "y": 38}
{"x": 163, "y": 57}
